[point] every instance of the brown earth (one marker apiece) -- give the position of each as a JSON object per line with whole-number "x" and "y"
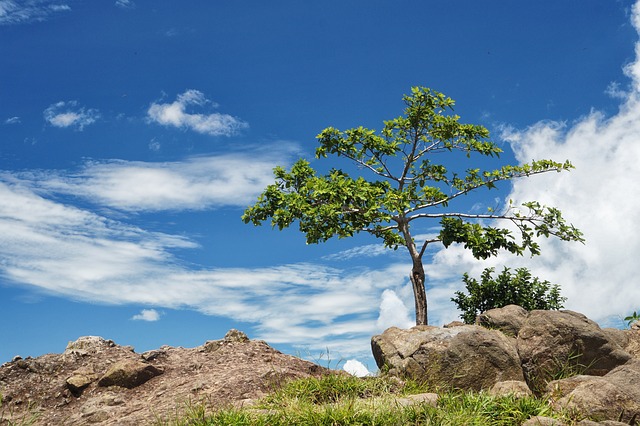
{"x": 96, "y": 381}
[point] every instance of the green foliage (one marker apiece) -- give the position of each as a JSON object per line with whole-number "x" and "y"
{"x": 403, "y": 183}
{"x": 632, "y": 318}
{"x": 507, "y": 288}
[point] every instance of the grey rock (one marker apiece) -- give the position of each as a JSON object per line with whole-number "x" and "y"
{"x": 517, "y": 388}
{"x": 466, "y": 357}
{"x": 565, "y": 342}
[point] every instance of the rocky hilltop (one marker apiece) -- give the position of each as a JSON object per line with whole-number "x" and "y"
{"x": 96, "y": 381}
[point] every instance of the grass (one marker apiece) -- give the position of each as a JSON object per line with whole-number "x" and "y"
{"x": 346, "y": 400}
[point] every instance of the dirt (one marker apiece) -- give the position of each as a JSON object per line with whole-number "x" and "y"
{"x": 77, "y": 387}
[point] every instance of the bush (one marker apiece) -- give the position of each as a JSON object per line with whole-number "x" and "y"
{"x": 508, "y": 288}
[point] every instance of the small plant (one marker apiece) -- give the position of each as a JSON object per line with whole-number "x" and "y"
{"x": 508, "y": 288}
{"x": 632, "y": 318}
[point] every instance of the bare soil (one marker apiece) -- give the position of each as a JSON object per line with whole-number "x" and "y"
{"x": 65, "y": 389}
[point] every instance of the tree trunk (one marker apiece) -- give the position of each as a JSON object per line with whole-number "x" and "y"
{"x": 419, "y": 292}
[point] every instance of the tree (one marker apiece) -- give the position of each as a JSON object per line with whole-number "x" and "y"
{"x": 407, "y": 186}
{"x": 507, "y": 289}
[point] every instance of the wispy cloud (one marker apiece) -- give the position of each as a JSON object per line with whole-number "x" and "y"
{"x": 125, "y": 4}
{"x": 12, "y": 120}
{"x": 82, "y": 255}
{"x": 69, "y": 114}
{"x": 24, "y": 11}
{"x": 149, "y": 315}
{"x": 194, "y": 184}
{"x": 175, "y": 114}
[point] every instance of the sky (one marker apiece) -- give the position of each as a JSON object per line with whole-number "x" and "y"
{"x": 134, "y": 133}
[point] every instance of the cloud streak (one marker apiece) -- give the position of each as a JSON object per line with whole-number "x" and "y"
{"x": 198, "y": 183}
{"x": 175, "y": 114}
{"x": 20, "y": 12}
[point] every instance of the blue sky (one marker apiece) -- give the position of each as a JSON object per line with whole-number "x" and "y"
{"x": 134, "y": 133}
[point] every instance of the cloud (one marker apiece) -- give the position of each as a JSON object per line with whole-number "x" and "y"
{"x": 147, "y": 315}
{"x": 600, "y": 197}
{"x": 393, "y": 312}
{"x": 356, "y": 368}
{"x": 125, "y": 4}
{"x": 198, "y": 183}
{"x": 12, "y": 120}
{"x": 369, "y": 250}
{"x": 174, "y": 114}
{"x": 82, "y": 255}
{"x": 68, "y": 114}
{"x": 25, "y": 11}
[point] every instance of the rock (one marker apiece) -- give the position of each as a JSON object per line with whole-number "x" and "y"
{"x": 80, "y": 379}
{"x": 466, "y": 357}
{"x": 235, "y": 336}
{"x": 88, "y": 345}
{"x": 542, "y": 421}
{"x": 508, "y": 319}
{"x": 430, "y": 399}
{"x": 453, "y": 324}
{"x": 518, "y": 388}
{"x": 128, "y": 374}
{"x": 610, "y": 397}
{"x": 565, "y": 342}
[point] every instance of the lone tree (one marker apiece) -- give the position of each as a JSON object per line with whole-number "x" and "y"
{"x": 406, "y": 185}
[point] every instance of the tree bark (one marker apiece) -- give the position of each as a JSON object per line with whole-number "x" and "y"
{"x": 419, "y": 292}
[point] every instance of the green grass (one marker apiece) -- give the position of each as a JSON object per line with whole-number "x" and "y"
{"x": 346, "y": 400}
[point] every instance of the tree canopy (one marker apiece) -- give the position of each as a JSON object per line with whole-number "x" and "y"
{"x": 405, "y": 184}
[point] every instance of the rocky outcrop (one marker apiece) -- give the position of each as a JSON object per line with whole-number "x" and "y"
{"x": 598, "y": 370}
{"x": 96, "y": 381}
{"x": 464, "y": 357}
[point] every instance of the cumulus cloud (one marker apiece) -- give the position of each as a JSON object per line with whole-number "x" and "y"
{"x": 175, "y": 114}
{"x": 18, "y": 12}
{"x": 69, "y": 114}
{"x": 356, "y": 368}
{"x": 600, "y": 197}
{"x": 393, "y": 312}
{"x": 12, "y": 120}
{"x": 232, "y": 179}
{"x": 150, "y": 315}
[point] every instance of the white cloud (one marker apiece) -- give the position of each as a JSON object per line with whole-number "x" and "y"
{"x": 233, "y": 179}
{"x": 78, "y": 254}
{"x": 601, "y": 197}
{"x": 393, "y": 312}
{"x": 147, "y": 315}
{"x": 24, "y": 11}
{"x": 12, "y": 120}
{"x": 68, "y": 114}
{"x": 175, "y": 114}
{"x": 356, "y": 368}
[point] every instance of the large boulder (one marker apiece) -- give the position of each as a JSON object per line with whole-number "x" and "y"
{"x": 466, "y": 357}
{"x": 616, "y": 395}
{"x": 556, "y": 343}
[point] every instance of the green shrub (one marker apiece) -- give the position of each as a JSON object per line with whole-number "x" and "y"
{"x": 508, "y": 288}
